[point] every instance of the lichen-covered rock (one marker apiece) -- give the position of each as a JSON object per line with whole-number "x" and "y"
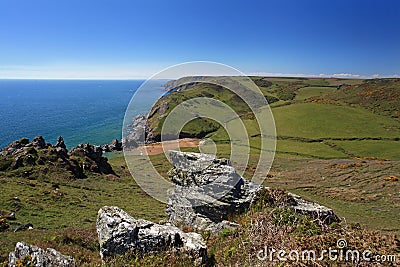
{"x": 323, "y": 214}
{"x": 38, "y": 257}
{"x": 275, "y": 197}
{"x": 207, "y": 191}
{"x": 119, "y": 233}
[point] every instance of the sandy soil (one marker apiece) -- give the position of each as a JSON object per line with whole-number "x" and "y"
{"x": 157, "y": 148}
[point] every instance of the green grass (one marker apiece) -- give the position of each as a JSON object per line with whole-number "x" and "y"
{"x": 359, "y": 192}
{"x": 373, "y": 216}
{"x": 307, "y": 92}
{"x": 311, "y": 120}
{"x": 288, "y": 148}
{"x": 300, "y": 124}
{"x": 74, "y": 205}
{"x": 381, "y": 149}
{"x": 381, "y": 96}
{"x": 271, "y": 226}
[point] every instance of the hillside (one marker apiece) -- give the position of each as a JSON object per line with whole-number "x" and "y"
{"x": 335, "y": 146}
{"x": 320, "y": 123}
{"x": 326, "y": 117}
{"x": 63, "y": 214}
{"x": 381, "y": 96}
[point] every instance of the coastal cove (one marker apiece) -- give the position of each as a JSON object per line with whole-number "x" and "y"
{"x": 79, "y": 110}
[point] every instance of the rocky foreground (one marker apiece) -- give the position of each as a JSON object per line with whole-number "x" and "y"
{"x": 207, "y": 194}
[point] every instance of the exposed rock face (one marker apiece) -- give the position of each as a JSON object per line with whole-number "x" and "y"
{"x": 60, "y": 143}
{"x": 119, "y": 233}
{"x": 275, "y": 197}
{"x": 35, "y": 256}
{"x": 95, "y": 162}
{"x": 15, "y": 147}
{"x": 207, "y": 191}
{"x": 136, "y": 132}
{"x": 115, "y": 145}
{"x": 322, "y": 213}
{"x": 84, "y": 157}
{"x": 38, "y": 142}
{"x": 180, "y": 84}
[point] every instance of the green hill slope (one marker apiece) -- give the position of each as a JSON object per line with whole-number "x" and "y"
{"x": 320, "y": 117}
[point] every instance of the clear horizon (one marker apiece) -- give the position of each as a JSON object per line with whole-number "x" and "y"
{"x": 260, "y": 74}
{"x": 135, "y": 39}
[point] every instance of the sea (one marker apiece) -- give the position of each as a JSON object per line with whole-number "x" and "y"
{"x": 78, "y": 110}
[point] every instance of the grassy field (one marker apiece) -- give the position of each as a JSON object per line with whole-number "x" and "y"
{"x": 308, "y": 116}
{"x": 312, "y": 120}
{"x": 363, "y": 191}
{"x": 59, "y": 207}
{"x": 389, "y": 150}
{"x": 343, "y": 154}
{"x": 289, "y": 149}
{"x": 310, "y": 127}
{"x": 307, "y": 92}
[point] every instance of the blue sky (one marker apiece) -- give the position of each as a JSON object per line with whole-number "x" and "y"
{"x": 122, "y": 39}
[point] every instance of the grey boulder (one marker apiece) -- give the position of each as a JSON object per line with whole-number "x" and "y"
{"x": 119, "y": 233}
{"x": 324, "y": 214}
{"x": 207, "y": 191}
{"x": 39, "y": 257}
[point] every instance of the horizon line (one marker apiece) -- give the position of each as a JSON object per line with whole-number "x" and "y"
{"x": 343, "y": 76}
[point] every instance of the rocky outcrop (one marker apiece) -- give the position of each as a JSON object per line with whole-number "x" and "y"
{"x": 207, "y": 191}
{"x": 180, "y": 84}
{"x": 26, "y": 255}
{"x": 115, "y": 145}
{"x": 38, "y": 142}
{"x": 275, "y": 197}
{"x": 38, "y": 153}
{"x": 94, "y": 161}
{"x": 263, "y": 82}
{"x": 135, "y": 132}
{"x": 321, "y": 213}
{"x": 120, "y": 233}
{"x": 60, "y": 143}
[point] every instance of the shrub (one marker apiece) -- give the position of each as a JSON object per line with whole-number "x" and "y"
{"x": 5, "y": 164}
{"x": 4, "y": 225}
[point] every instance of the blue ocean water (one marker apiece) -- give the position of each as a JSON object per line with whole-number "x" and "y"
{"x": 79, "y": 110}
